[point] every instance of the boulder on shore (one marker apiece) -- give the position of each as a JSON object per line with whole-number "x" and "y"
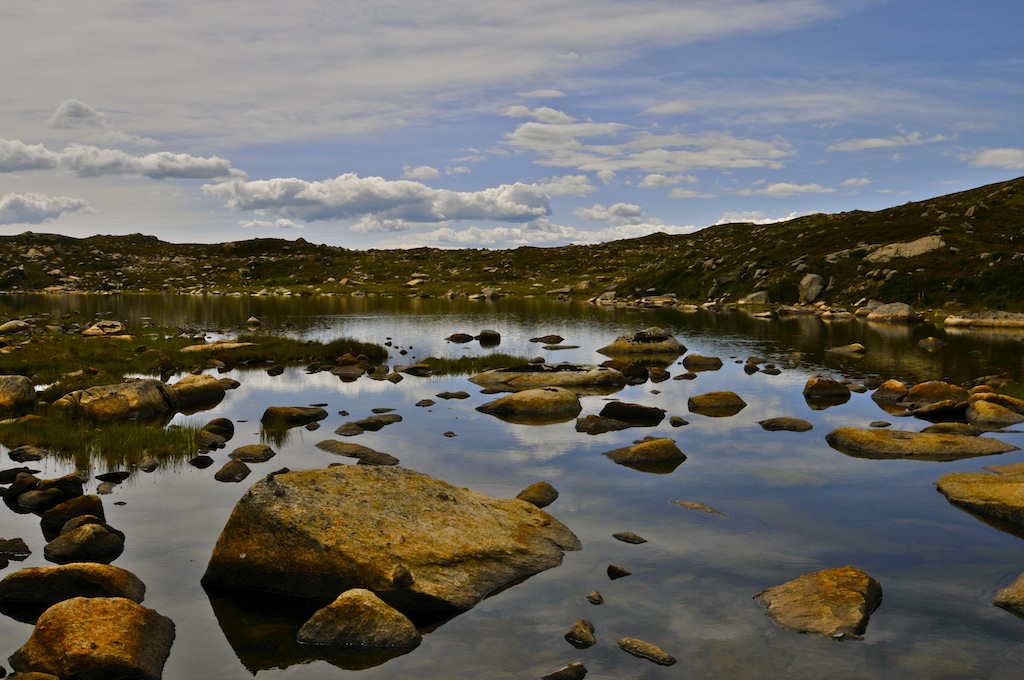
{"x": 899, "y": 444}
{"x": 16, "y": 393}
{"x": 141, "y": 399}
{"x": 417, "y": 542}
{"x": 97, "y": 637}
{"x": 835, "y": 603}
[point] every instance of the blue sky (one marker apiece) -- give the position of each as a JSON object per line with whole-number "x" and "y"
{"x": 458, "y": 123}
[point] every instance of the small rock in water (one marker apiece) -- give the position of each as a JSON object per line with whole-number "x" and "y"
{"x": 694, "y": 505}
{"x": 581, "y": 635}
{"x": 785, "y": 423}
{"x": 450, "y": 434}
{"x": 629, "y": 537}
{"x": 676, "y": 421}
{"x": 574, "y": 671}
{"x": 148, "y": 464}
{"x": 646, "y": 650}
{"x": 233, "y": 471}
{"x": 595, "y": 598}
{"x": 540, "y": 494}
{"x": 425, "y": 403}
{"x": 880, "y": 423}
{"x": 615, "y": 572}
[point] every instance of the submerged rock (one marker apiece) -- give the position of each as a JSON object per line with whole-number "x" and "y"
{"x": 419, "y": 543}
{"x": 835, "y": 603}
{"x": 574, "y": 671}
{"x": 97, "y": 637}
{"x": 364, "y": 454}
{"x": 894, "y": 444}
{"x": 646, "y": 650}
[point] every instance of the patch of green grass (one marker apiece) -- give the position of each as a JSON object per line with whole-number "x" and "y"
{"x": 85, "y": 443}
{"x": 471, "y": 365}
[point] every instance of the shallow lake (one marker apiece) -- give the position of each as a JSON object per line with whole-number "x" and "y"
{"x": 793, "y": 504}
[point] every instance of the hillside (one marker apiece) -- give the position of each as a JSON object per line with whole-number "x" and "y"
{"x": 973, "y": 242}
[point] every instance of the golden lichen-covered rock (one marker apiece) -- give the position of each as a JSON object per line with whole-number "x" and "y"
{"x": 358, "y": 618}
{"x": 835, "y": 602}
{"x": 887, "y": 444}
{"x": 92, "y": 638}
{"x": 999, "y": 495}
{"x": 536, "y": 401}
{"x": 419, "y": 543}
{"x": 651, "y": 340}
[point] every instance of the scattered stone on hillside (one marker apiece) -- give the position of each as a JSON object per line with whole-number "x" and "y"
{"x": 894, "y": 312}
{"x": 364, "y": 454}
{"x": 290, "y": 416}
{"x": 419, "y": 543}
{"x": 629, "y": 537}
{"x": 716, "y": 404}
{"x": 634, "y": 414}
{"x": 836, "y": 603}
{"x": 997, "y": 493}
{"x": 97, "y": 637}
{"x": 646, "y": 650}
{"x": 785, "y": 423}
{"x": 17, "y": 393}
{"x": 697, "y": 363}
{"x": 574, "y": 671}
{"x": 759, "y": 297}
{"x": 652, "y": 454}
{"x": 695, "y": 505}
{"x": 810, "y": 287}
{"x": 541, "y": 401}
{"x": 581, "y": 634}
{"x": 358, "y": 618}
{"x": 50, "y": 585}
{"x": 253, "y": 453}
{"x": 540, "y": 494}
{"x": 899, "y": 444}
{"x": 651, "y": 340}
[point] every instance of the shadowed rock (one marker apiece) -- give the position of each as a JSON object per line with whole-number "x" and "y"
{"x": 658, "y": 455}
{"x": 142, "y": 399}
{"x": 291, "y": 416}
{"x": 359, "y": 618}
{"x": 716, "y": 404}
{"x": 50, "y": 585}
{"x": 784, "y": 423}
{"x": 364, "y": 454}
{"x": 419, "y": 543}
{"x": 17, "y": 393}
{"x": 998, "y": 493}
{"x": 634, "y": 414}
{"x": 836, "y": 603}
{"x": 896, "y": 444}
{"x": 651, "y": 340}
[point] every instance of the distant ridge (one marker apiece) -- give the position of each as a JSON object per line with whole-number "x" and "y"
{"x": 961, "y": 250}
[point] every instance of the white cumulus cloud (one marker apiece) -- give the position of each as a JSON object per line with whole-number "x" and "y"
{"x": 782, "y": 189}
{"x": 618, "y": 213}
{"x": 420, "y": 172}
{"x": 1008, "y": 158}
{"x": 15, "y": 156}
{"x": 33, "y": 208}
{"x": 270, "y": 224}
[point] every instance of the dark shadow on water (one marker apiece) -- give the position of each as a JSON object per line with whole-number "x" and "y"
{"x": 262, "y": 628}
{"x": 1003, "y": 525}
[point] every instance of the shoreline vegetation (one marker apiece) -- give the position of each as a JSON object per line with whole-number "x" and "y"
{"x": 956, "y": 254}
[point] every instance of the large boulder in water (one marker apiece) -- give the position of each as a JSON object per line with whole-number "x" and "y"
{"x": 142, "y": 399}
{"x": 834, "y": 602}
{"x": 896, "y": 444}
{"x": 97, "y": 637}
{"x": 419, "y": 543}
{"x": 551, "y": 375}
{"x": 651, "y": 340}
{"x": 50, "y": 585}
{"x": 999, "y": 495}
{"x": 539, "y": 401}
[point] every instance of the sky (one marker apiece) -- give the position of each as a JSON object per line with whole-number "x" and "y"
{"x": 481, "y": 124}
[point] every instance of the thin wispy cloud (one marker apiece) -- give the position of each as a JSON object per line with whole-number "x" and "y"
{"x": 909, "y": 139}
{"x": 1008, "y": 158}
{"x": 784, "y": 189}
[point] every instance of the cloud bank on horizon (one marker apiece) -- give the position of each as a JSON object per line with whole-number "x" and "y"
{"x": 467, "y": 124}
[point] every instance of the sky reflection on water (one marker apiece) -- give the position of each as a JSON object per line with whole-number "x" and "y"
{"x": 794, "y": 505}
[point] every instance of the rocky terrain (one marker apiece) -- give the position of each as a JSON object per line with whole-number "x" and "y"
{"x": 961, "y": 250}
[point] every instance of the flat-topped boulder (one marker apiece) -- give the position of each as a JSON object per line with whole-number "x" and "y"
{"x": 142, "y": 399}
{"x": 899, "y": 444}
{"x": 836, "y": 603}
{"x": 420, "y": 544}
{"x": 551, "y": 375}
{"x": 720, "y": 404}
{"x": 986, "y": 320}
{"x": 651, "y": 340}
{"x": 998, "y": 493}
{"x": 894, "y": 312}
{"x": 291, "y": 416}
{"x": 537, "y": 401}
{"x": 50, "y": 585}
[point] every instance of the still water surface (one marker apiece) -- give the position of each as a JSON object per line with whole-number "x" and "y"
{"x": 794, "y": 505}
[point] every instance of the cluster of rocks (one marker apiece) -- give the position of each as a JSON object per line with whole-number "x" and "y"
{"x": 87, "y": 614}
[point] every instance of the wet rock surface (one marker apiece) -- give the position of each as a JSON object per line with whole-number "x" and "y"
{"x": 895, "y": 444}
{"x": 359, "y": 618}
{"x": 836, "y": 603}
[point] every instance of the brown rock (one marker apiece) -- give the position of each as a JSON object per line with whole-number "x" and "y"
{"x": 97, "y": 638}
{"x": 87, "y": 543}
{"x": 50, "y": 585}
{"x": 823, "y": 387}
{"x": 835, "y": 603}
{"x": 551, "y": 375}
{"x": 418, "y": 543}
{"x": 574, "y": 671}
{"x": 999, "y": 495}
{"x": 537, "y": 401}
{"x": 540, "y": 494}
{"x": 932, "y": 391}
{"x": 659, "y": 454}
{"x": 1011, "y": 597}
{"x": 581, "y": 634}
{"x": 253, "y": 453}
{"x": 364, "y": 454}
{"x": 359, "y": 618}
{"x": 886, "y": 444}
{"x": 646, "y": 650}
{"x": 784, "y": 423}
{"x": 890, "y": 390}
{"x": 634, "y": 414}
{"x": 697, "y": 363}
{"x": 990, "y": 414}
{"x": 290, "y": 416}
{"x": 716, "y": 404}
{"x": 17, "y": 393}
{"x": 648, "y": 341}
